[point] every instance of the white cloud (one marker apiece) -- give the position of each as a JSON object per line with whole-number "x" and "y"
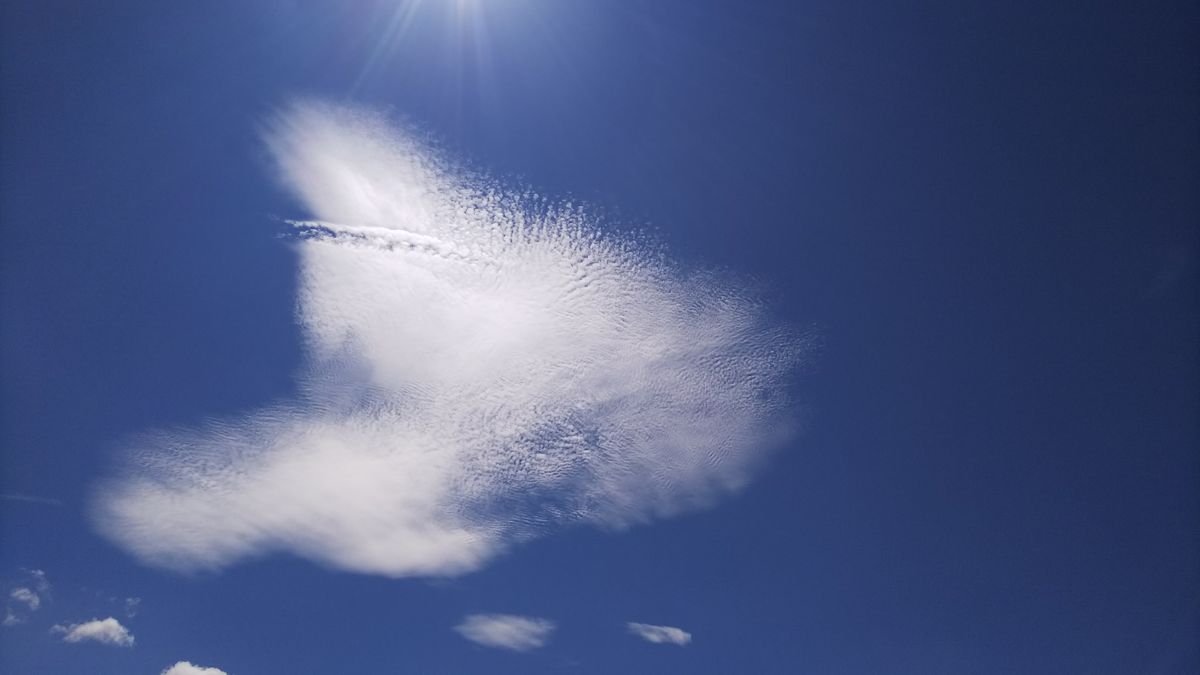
{"x": 132, "y": 606}
{"x": 26, "y": 597}
{"x": 506, "y": 631}
{"x": 484, "y": 368}
{"x": 660, "y": 634}
{"x": 186, "y": 668}
{"x": 23, "y": 600}
{"x": 105, "y": 631}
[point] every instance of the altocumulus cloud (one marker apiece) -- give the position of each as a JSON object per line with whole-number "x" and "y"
{"x": 105, "y": 631}
{"x": 506, "y": 631}
{"x": 187, "y": 668}
{"x": 660, "y": 634}
{"x": 485, "y": 366}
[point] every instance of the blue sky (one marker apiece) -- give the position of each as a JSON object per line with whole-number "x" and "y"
{"x": 879, "y": 353}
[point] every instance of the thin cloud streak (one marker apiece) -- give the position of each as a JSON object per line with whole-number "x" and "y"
{"x": 485, "y": 367}
{"x": 660, "y": 634}
{"x": 30, "y": 499}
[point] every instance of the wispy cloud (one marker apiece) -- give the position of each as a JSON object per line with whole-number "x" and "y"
{"x": 186, "y": 668}
{"x": 14, "y": 497}
{"x": 506, "y": 631}
{"x": 39, "y": 580}
{"x": 660, "y": 634}
{"x": 485, "y": 367}
{"x": 105, "y": 631}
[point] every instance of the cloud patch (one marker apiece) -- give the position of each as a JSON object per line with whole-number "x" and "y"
{"x": 187, "y": 668}
{"x": 26, "y": 597}
{"x": 660, "y": 634}
{"x": 506, "y": 631}
{"x": 105, "y": 631}
{"x": 485, "y": 366}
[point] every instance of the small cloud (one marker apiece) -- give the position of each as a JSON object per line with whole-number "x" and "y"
{"x": 506, "y": 631}
{"x": 132, "y": 605}
{"x": 660, "y": 634}
{"x": 26, "y": 597}
{"x": 188, "y": 668}
{"x": 105, "y": 631}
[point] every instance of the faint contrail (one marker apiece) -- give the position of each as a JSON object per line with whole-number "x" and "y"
{"x": 13, "y": 497}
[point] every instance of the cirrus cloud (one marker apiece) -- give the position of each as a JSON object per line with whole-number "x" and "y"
{"x": 660, "y": 634}
{"x": 484, "y": 367}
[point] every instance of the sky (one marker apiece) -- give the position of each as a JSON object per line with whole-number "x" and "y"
{"x": 518, "y": 336}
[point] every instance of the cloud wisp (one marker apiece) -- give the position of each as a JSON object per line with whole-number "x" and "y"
{"x": 485, "y": 366}
{"x": 30, "y": 499}
{"x": 506, "y": 631}
{"x": 188, "y": 668}
{"x": 105, "y": 631}
{"x": 39, "y": 580}
{"x": 660, "y": 634}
